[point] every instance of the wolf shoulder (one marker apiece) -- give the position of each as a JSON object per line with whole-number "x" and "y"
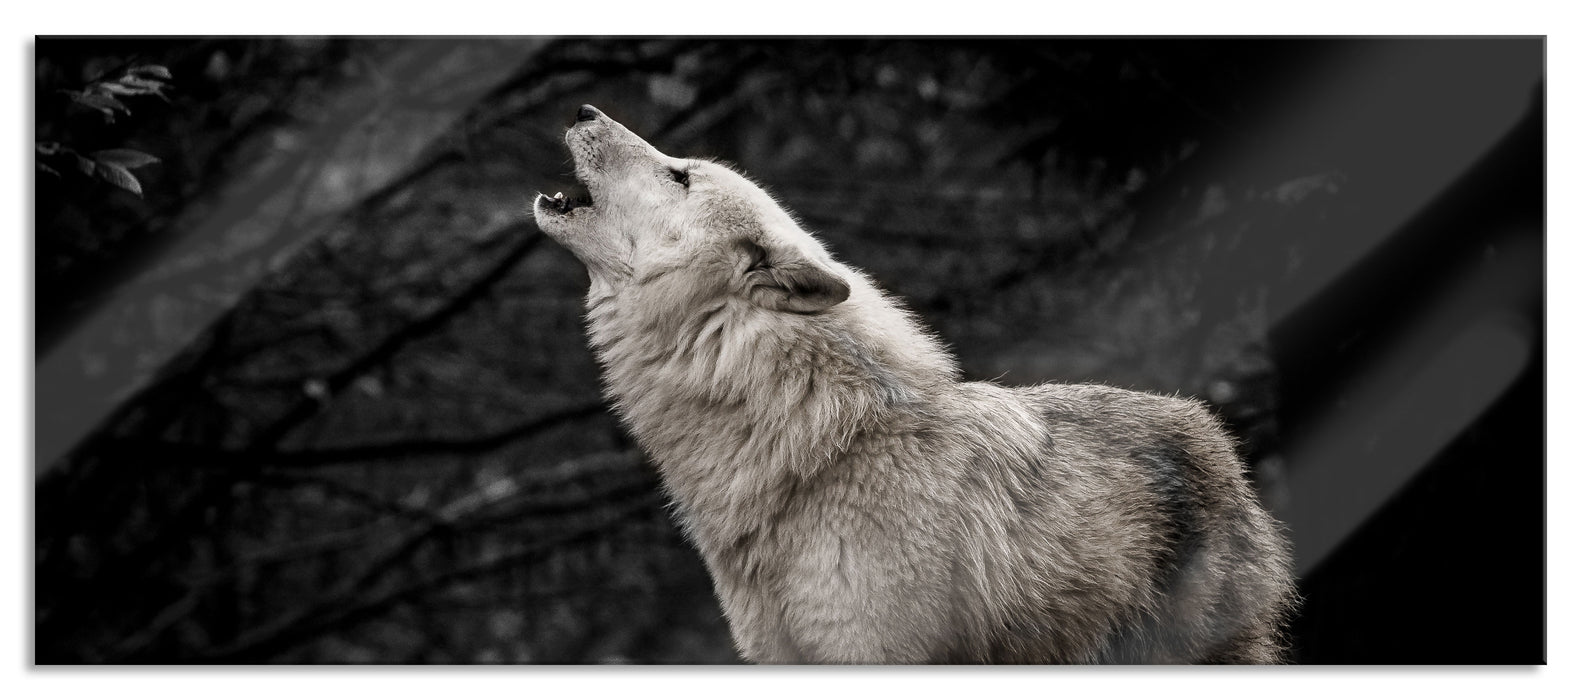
{"x": 1097, "y": 408}
{"x": 1115, "y": 419}
{"x": 1090, "y": 439}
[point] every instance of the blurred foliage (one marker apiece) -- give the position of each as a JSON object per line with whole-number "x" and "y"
{"x": 392, "y": 449}
{"x": 112, "y": 165}
{"x": 90, "y": 237}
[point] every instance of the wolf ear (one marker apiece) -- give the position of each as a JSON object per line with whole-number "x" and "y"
{"x": 785, "y": 281}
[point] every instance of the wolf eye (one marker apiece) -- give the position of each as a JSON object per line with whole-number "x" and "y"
{"x": 681, "y": 176}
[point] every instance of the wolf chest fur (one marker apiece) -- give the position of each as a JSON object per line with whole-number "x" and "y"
{"x": 854, "y": 500}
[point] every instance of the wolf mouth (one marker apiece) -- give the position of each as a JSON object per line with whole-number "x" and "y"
{"x": 562, "y": 203}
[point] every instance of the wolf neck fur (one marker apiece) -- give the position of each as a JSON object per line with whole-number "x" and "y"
{"x": 736, "y": 408}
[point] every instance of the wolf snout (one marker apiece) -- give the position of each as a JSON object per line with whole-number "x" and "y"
{"x": 587, "y": 113}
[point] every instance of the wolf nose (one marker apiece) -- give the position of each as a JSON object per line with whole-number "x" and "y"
{"x": 587, "y": 113}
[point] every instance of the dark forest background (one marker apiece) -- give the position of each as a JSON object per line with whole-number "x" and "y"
{"x": 312, "y": 388}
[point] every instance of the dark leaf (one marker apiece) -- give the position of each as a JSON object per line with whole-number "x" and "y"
{"x": 119, "y": 89}
{"x": 124, "y": 157}
{"x": 83, "y": 164}
{"x": 120, "y": 177}
{"x": 143, "y": 87}
{"x": 45, "y": 168}
{"x": 100, "y": 101}
{"x": 155, "y": 71}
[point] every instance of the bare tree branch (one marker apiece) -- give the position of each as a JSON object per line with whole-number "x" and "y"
{"x": 524, "y": 237}
{"x": 190, "y": 454}
{"x": 346, "y": 606}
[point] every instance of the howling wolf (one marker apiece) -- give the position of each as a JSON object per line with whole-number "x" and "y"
{"x": 854, "y": 500}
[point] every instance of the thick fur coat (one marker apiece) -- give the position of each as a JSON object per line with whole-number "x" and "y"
{"x": 854, "y": 500}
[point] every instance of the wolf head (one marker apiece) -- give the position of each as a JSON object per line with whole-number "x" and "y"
{"x": 713, "y": 313}
{"x": 649, "y": 215}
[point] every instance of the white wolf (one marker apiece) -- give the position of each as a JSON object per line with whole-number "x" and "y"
{"x": 855, "y": 502}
